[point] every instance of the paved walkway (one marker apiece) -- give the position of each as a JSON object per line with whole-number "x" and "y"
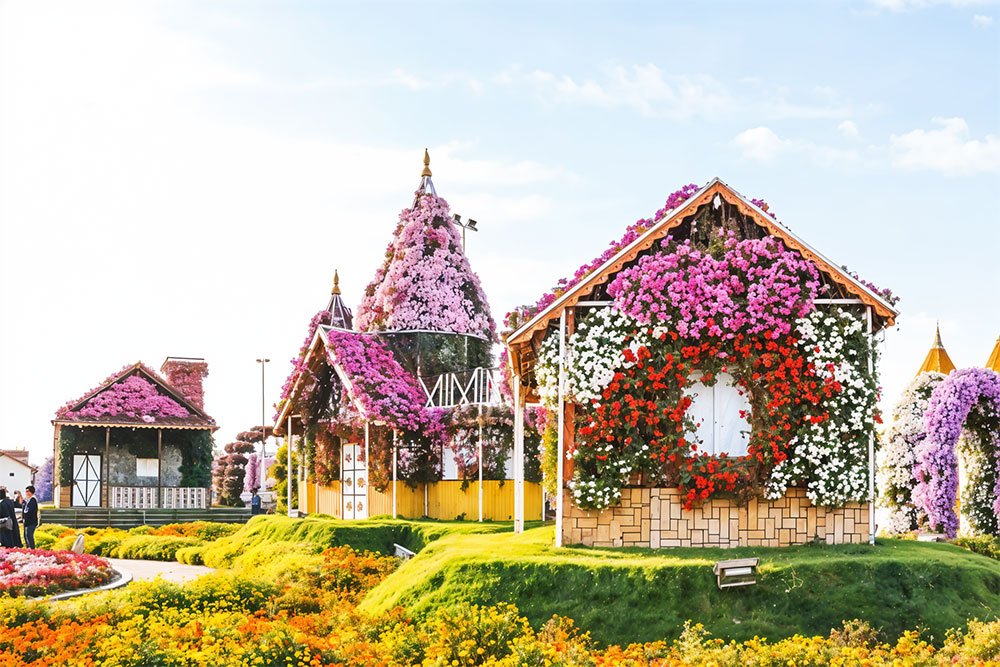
{"x": 146, "y": 570}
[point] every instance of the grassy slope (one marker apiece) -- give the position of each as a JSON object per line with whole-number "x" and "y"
{"x": 628, "y": 595}
{"x": 267, "y": 537}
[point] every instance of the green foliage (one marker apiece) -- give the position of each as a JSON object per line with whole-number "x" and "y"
{"x": 550, "y": 447}
{"x": 196, "y": 459}
{"x": 279, "y": 471}
{"x": 627, "y": 595}
{"x": 68, "y": 436}
{"x": 985, "y": 545}
{"x": 152, "y": 547}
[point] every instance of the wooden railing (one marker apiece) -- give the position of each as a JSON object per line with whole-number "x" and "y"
{"x": 145, "y": 497}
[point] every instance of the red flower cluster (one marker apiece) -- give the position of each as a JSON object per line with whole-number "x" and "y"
{"x": 641, "y": 423}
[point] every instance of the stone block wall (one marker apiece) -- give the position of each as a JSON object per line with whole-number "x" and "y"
{"x": 656, "y": 518}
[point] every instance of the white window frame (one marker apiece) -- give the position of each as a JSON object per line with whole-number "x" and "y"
{"x": 143, "y": 466}
{"x": 706, "y": 393}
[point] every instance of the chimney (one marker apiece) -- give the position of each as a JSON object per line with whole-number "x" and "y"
{"x": 185, "y": 374}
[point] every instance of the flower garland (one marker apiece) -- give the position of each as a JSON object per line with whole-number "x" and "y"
{"x": 426, "y": 281}
{"x": 830, "y": 456}
{"x": 936, "y": 467}
{"x": 896, "y": 457}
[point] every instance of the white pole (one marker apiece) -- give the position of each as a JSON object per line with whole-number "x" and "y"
{"x": 426, "y": 513}
{"x": 518, "y": 454}
{"x": 560, "y": 445}
{"x": 480, "y": 462}
{"x": 393, "y": 473}
{"x": 288, "y": 461}
{"x": 871, "y": 447}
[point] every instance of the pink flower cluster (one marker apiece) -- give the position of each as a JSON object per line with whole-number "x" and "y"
{"x": 385, "y": 390}
{"x": 26, "y": 572}
{"x": 298, "y": 363}
{"x": 757, "y": 286}
{"x": 426, "y": 281}
{"x": 936, "y": 469}
{"x": 133, "y": 397}
{"x": 632, "y": 232}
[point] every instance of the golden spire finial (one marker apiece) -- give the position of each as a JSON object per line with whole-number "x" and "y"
{"x": 336, "y": 283}
{"x": 937, "y": 334}
{"x": 427, "y": 164}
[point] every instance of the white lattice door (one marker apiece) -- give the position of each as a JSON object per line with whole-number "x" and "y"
{"x": 354, "y": 481}
{"x": 86, "y": 480}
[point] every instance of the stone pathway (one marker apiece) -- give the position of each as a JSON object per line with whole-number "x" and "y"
{"x": 147, "y": 570}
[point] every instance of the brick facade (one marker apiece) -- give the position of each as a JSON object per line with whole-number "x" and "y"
{"x": 655, "y": 518}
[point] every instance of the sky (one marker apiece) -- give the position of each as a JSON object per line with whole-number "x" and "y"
{"x": 182, "y": 178}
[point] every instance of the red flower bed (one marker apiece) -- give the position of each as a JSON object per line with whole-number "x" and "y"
{"x": 35, "y": 572}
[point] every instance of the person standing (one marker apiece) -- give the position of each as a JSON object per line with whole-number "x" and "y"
{"x": 29, "y": 516}
{"x": 8, "y": 537}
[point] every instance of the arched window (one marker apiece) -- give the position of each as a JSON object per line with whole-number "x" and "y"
{"x": 722, "y": 414}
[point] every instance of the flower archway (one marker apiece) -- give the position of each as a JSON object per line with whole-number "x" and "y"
{"x": 968, "y": 401}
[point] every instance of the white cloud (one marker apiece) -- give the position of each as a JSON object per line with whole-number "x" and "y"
{"x": 848, "y": 129}
{"x": 907, "y": 5}
{"x": 763, "y": 145}
{"x": 650, "y": 91}
{"x": 948, "y": 149}
{"x": 147, "y": 227}
{"x": 982, "y": 20}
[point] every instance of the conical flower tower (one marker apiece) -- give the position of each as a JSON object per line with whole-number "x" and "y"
{"x": 937, "y": 358}
{"x": 425, "y": 298}
{"x": 993, "y": 363}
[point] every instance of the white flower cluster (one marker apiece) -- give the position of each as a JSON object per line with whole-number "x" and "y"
{"x": 594, "y": 493}
{"x": 896, "y": 456}
{"x": 831, "y": 457}
{"x": 978, "y": 488}
{"x": 593, "y": 354}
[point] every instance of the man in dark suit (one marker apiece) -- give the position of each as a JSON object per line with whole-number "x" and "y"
{"x": 8, "y": 538}
{"x": 30, "y": 516}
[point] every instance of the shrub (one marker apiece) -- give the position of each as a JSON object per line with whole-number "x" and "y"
{"x": 153, "y": 547}
{"x": 986, "y": 545}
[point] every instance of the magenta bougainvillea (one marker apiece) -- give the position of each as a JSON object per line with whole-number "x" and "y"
{"x": 384, "y": 389}
{"x": 756, "y": 286}
{"x": 426, "y": 281}
{"x": 187, "y": 376}
{"x": 936, "y": 469}
{"x": 135, "y": 397}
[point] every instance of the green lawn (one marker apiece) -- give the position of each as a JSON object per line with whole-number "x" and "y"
{"x": 629, "y": 595}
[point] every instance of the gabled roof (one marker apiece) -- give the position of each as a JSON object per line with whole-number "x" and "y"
{"x": 883, "y": 309}
{"x": 937, "y": 358}
{"x": 993, "y": 363}
{"x": 197, "y": 418}
{"x": 8, "y": 454}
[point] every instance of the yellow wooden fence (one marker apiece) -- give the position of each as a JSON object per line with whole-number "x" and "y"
{"x": 444, "y": 500}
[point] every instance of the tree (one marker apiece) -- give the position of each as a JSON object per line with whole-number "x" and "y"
{"x": 229, "y": 471}
{"x": 43, "y": 481}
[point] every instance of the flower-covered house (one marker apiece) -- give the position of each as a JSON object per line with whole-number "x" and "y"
{"x": 398, "y": 410}
{"x": 712, "y": 378}
{"x": 138, "y": 440}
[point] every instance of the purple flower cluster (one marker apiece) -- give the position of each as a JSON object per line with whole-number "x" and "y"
{"x": 134, "y": 397}
{"x": 299, "y": 362}
{"x": 757, "y": 286}
{"x": 936, "y": 469}
{"x": 386, "y": 391}
{"x": 426, "y": 281}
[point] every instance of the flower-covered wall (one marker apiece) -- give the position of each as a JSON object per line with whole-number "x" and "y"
{"x": 711, "y": 370}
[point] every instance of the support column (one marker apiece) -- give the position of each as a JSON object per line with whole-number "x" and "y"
{"x": 394, "y": 473}
{"x": 288, "y": 466}
{"x": 871, "y": 447}
{"x": 518, "y": 456}
{"x": 159, "y": 467}
{"x": 107, "y": 466}
{"x": 561, "y": 441}
{"x": 368, "y": 479}
{"x": 480, "y": 462}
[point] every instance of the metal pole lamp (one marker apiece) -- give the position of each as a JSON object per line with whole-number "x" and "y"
{"x": 263, "y": 425}
{"x": 471, "y": 226}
